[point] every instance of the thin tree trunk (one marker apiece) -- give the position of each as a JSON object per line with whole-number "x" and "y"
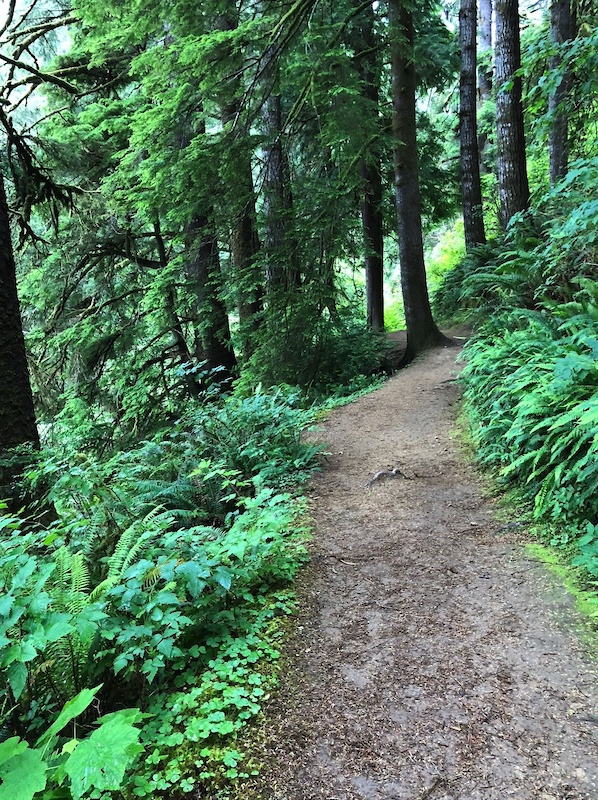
{"x": 485, "y": 48}
{"x": 244, "y": 237}
{"x": 280, "y": 246}
{"x": 422, "y": 332}
{"x": 471, "y": 189}
{"x": 513, "y": 185}
{"x": 561, "y": 30}
{"x": 244, "y": 241}
{"x": 371, "y": 216}
{"x": 484, "y": 75}
{"x": 371, "y": 176}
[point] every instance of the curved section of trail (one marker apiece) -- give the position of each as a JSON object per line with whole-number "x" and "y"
{"x": 434, "y": 659}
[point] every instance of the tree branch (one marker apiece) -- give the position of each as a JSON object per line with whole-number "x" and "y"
{"x": 43, "y": 77}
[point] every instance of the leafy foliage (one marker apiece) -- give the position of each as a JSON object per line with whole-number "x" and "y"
{"x": 97, "y": 762}
{"x": 164, "y": 569}
{"x": 532, "y": 373}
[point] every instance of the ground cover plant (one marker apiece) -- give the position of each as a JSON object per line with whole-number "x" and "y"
{"x": 150, "y": 610}
{"x": 531, "y": 374}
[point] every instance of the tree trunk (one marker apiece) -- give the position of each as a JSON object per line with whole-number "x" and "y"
{"x": 280, "y": 245}
{"x": 561, "y": 30}
{"x": 213, "y": 342}
{"x": 513, "y": 185}
{"x": 244, "y": 238}
{"x": 471, "y": 189}
{"x": 371, "y": 216}
{"x": 371, "y": 176}
{"x": 422, "y": 332}
{"x": 17, "y": 413}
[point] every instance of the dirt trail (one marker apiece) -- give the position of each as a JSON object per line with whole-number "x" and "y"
{"x": 434, "y": 659}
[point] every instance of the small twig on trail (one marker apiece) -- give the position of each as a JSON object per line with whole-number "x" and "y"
{"x": 438, "y": 782}
{"x": 348, "y": 563}
{"x": 332, "y": 555}
{"x": 388, "y": 473}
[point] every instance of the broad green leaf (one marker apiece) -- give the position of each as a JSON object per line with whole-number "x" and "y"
{"x": 71, "y": 709}
{"x": 59, "y": 626}
{"x": 17, "y": 678}
{"x": 224, "y": 577}
{"x": 6, "y": 603}
{"x": 23, "y": 775}
{"x": 11, "y": 748}
{"x": 101, "y": 760}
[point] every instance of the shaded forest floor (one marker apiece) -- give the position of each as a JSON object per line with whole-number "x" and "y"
{"x": 433, "y": 657}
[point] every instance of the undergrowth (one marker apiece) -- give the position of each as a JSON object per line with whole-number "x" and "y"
{"x": 531, "y": 374}
{"x": 140, "y": 628}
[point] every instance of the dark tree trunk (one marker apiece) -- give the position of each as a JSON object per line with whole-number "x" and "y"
{"x": 471, "y": 190}
{"x": 280, "y": 245}
{"x": 244, "y": 238}
{"x": 371, "y": 216}
{"x": 370, "y": 168}
{"x": 513, "y": 185}
{"x": 17, "y": 414}
{"x": 213, "y": 342}
{"x": 422, "y": 332}
{"x": 561, "y": 30}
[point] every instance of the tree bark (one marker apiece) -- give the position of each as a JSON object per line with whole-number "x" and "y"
{"x": 213, "y": 341}
{"x": 373, "y": 235}
{"x": 513, "y": 184}
{"x": 280, "y": 246}
{"x": 422, "y": 332}
{"x": 203, "y": 273}
{"x": 244, "y": 241}
{"x": 471, "y": 190}
{"x": 371, "y": 176}
{"x": 561, "y": 30}
{"x": 17, "y": 413}
{"x": 244, "y": 237}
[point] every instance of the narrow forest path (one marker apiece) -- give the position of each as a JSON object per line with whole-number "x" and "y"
{"x": 434, "y": 659}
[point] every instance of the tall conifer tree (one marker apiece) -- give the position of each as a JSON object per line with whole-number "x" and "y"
{"x": 422, "y": 332}
{"x": 513, "y": 183}
{"x": 471, "y": 188}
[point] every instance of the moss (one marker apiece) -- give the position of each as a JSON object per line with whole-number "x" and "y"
{"x": 575, "y": 582}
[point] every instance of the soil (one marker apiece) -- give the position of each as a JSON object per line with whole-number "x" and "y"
{"x": 433, "y": 657}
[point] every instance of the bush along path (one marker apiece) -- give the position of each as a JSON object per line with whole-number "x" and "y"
{"x": 434, "y": 657}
